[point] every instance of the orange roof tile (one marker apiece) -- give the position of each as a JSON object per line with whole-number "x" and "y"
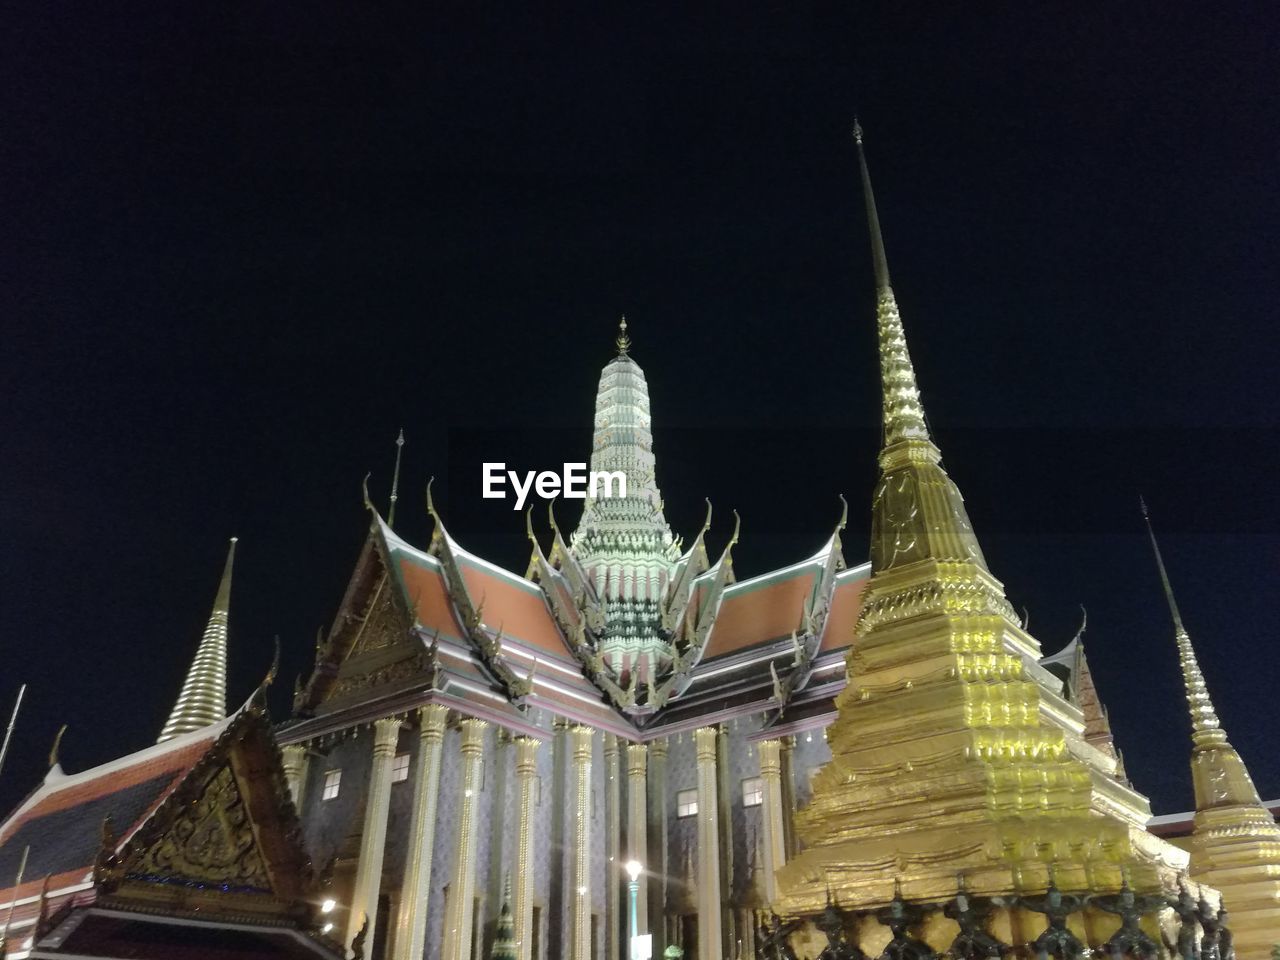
{"x": 845, "y": 606}
{"x": 759, "y": 614}
{"x": 519, "y": 613}
{"x": 426, "y": 590}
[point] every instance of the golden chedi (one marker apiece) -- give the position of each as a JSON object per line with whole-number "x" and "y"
{"x": 954, "y": 751}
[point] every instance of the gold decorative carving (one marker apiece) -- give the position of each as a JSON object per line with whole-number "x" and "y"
{"x": 210, "y": 842}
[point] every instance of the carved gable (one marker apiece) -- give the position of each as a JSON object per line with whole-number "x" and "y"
{"x": 210, "y": 842}
{"x": 372, "y": 644}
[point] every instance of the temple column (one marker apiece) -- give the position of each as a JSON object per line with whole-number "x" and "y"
{"x": 613, "y": 845}
{"x": 658, "y": 856}
{"x": 458, "y": 922}
{"x": 373, "y": 838}
{"x": 526, "y": 787}
{"x": 637, "y": 827}
{"x": 580, "y": 912}
{"x": 295, "y": 771}
{"x": 411, "y": 922}
{"x": 729, "y": 918}
{"x": 709, "y": 922}
{"x": 788, "y": 795}
{"x": 775, "y": 840}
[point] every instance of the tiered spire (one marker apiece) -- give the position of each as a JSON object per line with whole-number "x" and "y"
{"x": 624, "y": 543}
{"x": 1235, "y": 846}
{"x": 203, "y": 700}
{"x": 917, "y": 512}
{"x": 952, "y": 750}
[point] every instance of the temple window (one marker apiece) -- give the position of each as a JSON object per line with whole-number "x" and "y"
{"x": 400, "y": 768}
{"x": 687, "y": 803}
{"x": 752, "y": 792}
{"x": 332, "y": 780}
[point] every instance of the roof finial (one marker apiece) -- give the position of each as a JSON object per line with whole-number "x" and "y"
{"x": 395, "y": 481}
{"x": 203, "y": 699}
{"x": 624, "y": 339}
{"x": 57, "y": 742}
{"x": 878, "y": 258}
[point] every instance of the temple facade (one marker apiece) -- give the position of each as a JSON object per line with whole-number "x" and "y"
{"x": 874, "y": 757}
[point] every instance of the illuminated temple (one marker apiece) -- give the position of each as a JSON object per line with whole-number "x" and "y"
{"x": 824, "y": 760}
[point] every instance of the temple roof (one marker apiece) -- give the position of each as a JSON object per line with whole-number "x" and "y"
{"x": 92, "y": 875}
{"x": 444, "y": 625}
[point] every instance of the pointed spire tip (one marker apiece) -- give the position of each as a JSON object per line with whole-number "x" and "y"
{"x": 623, "y": 340}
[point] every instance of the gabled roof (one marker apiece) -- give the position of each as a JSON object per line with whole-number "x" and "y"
{"x": 61, "y": 821}
{"x": 762, "y": 609}
{"x": 502, "y": 625}
{"x": 200, "y": 825}
{"x": 484, "y": 639}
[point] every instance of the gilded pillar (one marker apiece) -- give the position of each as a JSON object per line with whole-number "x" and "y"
{"x": 709, "y": 907}
{"x": 729, "y": 918}
{"x": 411, "y": 921}
{"x": 659, "y": 854}
{"x": 522, "y": 900}
{"x": 295, "y": 771}
{"x": 788, "y": 795}
{"x": 614, "y": 874}
{"x": 637, "y": 827}
{"x": 775, "y": 840}
{"x": 373, "y": 838}
{"x": 580, "y": 912}
{"x": 457, "y": 929}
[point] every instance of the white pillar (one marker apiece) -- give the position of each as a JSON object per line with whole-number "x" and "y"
{"x": 373, "y": 838}
{"x": 659, "y": 861}
{"x": 457, "y": 928}
{"x": 527, "y": 782}
{"x": 411, "y": 924}
{"x": 295, "y": 772}
{"x": 775, "y": 843}
{"x": 581, "y": 910}
{"x": 638, "y": 826}
{"x": 709, "y": 921}
{"x": 613, "y": 844}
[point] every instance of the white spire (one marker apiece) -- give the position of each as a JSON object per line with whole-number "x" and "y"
{"x": 624, "y": 543}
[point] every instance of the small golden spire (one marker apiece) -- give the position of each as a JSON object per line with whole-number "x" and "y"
{"x": 395, "y": 481}
{"x": 903, "y": 412}
{"x": 623, "y": 340}
{"x": 203, "y": 699}
{"x": 878, "y": 258}
{"x": 1204, "y": 718}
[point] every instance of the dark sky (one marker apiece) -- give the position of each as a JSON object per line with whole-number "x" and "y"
{"x": 242, "y": 245}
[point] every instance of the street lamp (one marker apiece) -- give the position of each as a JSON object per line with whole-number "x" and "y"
{"x": 634, "y": 868}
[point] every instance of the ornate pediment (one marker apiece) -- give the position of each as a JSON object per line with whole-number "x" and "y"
{"x": 209, "y": 843}
{"x": 225, "y": 841}
{"x": 373, "y": 641}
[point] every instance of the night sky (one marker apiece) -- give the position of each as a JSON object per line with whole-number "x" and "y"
{"x": 242, "y": 246}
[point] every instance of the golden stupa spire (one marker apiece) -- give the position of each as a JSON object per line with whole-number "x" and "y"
{"x": 903, "y": 414}
{"x": 1206, "y": 729}
{"x": 203, "y": 699}
{"x": 918, "y": 512}
{"x": 953, "y": 750}
{"x": 1235, "y": 846}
